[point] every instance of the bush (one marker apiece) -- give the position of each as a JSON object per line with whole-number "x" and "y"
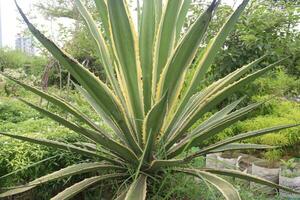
{"x": 16, "y": 155}
{"x": 279, "y": 111}
{"x": 14, "y": 111}
{"x": 14, "y": 59}
{"x": 278, "y": 83}
{"x": 17, "y": 118}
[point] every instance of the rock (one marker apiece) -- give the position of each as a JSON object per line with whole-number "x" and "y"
{"x": 211, "y": 160}
{"x": 290, "y": 182}
{"x": 262, "y": 170}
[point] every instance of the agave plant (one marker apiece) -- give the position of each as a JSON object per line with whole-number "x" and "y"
{"x": 151, "y": 116}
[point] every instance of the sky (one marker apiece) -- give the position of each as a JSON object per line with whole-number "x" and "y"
{"x": 11, "y": 25}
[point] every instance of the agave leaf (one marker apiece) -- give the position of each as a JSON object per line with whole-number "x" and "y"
{"x": 173, "y": 73}
{"x": 59, "y": 119}
{"x": 226, "y": 120}
{"x": 121, "y": 196}
{"x": 102, "y": 48}
{"x": 103, "y": 12}
{"x": 248, "y": 177}
{"x": 211, "y": 51}
{"x": 93, "y": 147}
{"x": 138, "y": 10}
{"x": 76, "y": 169}
{"x": 226, "y": 188}
{"x": 138, "y": 189}
{"x": 115, "y": 147}
{"x": 211, "y": 90}
{"x": 240, "y": 137}
{"x": 16, "y": 190}
{"x": 238, "y": 146}
{"x": 60, "y": 145}
{"x": 158, "y": 12}
{"x": 141, "y": 161}
{"x": 28, "y": 166}
{"x": 183, "y": 56}
{"x": 163, "y": 164}
{"x": 181, "y": 18}
{"x": 107, "y": 119}
{"x": 99, "y": 137}
{"x": 101, "y": 6}
{"x": 96, "y": 88}
{"x": 83, "y": 185}
{"x": 126, "y": 50}
{"x": 218, "y": 115}
{"x": 229, "y": 88}
{"x": 202, "y": 102}
{"x": 58, "y": 102}
{"x": 146, "y": 47}
{"x": 206, "y": 60}
{"x": 125, "y": 136}
{"x": 86, "y": 145}
{"x": 153, "y": 124}
{"x": 243, "y": 70}
{"x": 66, "y": 172}
{"x": 78, "y": 71}
{"x": 165, "y": 39}
{"x": 196, "y": 138}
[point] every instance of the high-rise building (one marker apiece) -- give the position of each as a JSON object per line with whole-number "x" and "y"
{"x": 25, "y": 44}
{"x": 0, "y": 26}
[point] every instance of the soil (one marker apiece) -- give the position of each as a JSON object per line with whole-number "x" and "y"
{"x": 267, "y": 164}
{"x": 230, "y": 155}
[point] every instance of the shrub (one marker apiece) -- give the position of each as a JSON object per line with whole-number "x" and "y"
{"x": 14, "y": 111}
{"x": 24, "y": 158}
{"x": 16, "y": 156}
{"x": 278, "y": 83}
{"x": 277, "y": 111}
{"x": 15, "y": 59}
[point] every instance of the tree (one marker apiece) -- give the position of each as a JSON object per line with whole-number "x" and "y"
{"x": 267, "y": 26}
{"x": 75, "y": 39}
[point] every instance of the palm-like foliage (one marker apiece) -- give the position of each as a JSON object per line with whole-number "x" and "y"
{"x": 144, "y": 103}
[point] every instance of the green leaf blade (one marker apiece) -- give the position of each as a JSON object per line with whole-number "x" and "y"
{"x": 212, "y": 50}
{"x": 243, "y": 136}
{"x": 102, "y": 47}
{"x": 96, "y": 88}
{"x": 226, "y": 188}
{"x": 72, "y": 191}
{"x": 165, "y": 39}
{"x": 138, "y": 189}
{"x": 126, "y": 47}
{"x": 248, "y": 177}
{"x": 146, "y": 47}
{"x": 181, "y": 18}
{"x": 66, "y": 172}
{"x": 183, "y": 56}
{"x": 153, "y": 124}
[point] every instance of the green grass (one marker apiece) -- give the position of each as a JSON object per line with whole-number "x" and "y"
{"x": 188, "y": 188}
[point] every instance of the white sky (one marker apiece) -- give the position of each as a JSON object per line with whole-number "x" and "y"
{"x": 10, "y": 24}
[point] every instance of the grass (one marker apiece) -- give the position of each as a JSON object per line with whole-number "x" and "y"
{"x": 189, "y": 188}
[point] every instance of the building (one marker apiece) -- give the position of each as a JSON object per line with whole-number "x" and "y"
{"x": 25, "y": 44}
